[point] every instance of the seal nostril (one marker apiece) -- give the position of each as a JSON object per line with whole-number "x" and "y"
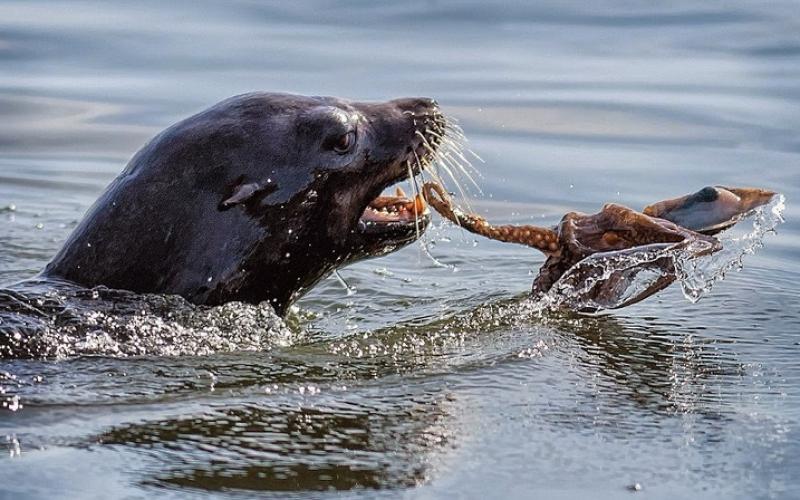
{"x": 426, "y": 105}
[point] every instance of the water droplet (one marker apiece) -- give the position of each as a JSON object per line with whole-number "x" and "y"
{"x": 13, "y": 445}
{"x": 13, "y": 403}
{"x": 382, "y": 271}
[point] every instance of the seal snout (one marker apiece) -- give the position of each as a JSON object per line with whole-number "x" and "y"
{"x": 411, "y": 131}
{"x": 417, "y": 105}
{"x": 428, "y": 128}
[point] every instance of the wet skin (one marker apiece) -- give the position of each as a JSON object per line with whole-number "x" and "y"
{"x": 254, "y": 199}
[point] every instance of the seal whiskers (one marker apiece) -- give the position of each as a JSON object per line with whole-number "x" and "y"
{"x": 450, "y": 146}
{"x": 444, "y": 165}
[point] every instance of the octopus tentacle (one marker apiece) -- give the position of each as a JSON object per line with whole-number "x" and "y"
{"x": 540, "y": 238}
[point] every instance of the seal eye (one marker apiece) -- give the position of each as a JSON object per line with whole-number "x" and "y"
{"x": 344, "y": 143}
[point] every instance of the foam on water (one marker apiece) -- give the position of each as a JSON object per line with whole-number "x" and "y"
{"x": 62, "y": 323}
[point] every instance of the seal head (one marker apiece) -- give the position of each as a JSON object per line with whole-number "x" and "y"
{"x": 256, "y": 199}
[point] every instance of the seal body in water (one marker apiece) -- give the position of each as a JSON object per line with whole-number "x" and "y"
{"x": 255, "y": 199}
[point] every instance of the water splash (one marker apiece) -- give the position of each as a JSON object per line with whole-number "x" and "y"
{"x": 697, "y": 276}
{"x": 73, "y": 322}
{"x": 610, "y": 280}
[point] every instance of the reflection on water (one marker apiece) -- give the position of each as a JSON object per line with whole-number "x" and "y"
{"x": 375, "y": 443}
{"x": 428, "y": 381}
{"x": 657, "y": 370}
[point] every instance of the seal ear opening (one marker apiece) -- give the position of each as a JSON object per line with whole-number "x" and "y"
{"x": 244, "y": 192}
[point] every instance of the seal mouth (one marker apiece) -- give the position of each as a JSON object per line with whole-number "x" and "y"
{"x": 401, "y": 218}
{"x": 398, "y": 212}
{"x": 385, "y": 218}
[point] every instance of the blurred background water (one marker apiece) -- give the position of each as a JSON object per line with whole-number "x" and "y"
{"x": 424, "y": 384}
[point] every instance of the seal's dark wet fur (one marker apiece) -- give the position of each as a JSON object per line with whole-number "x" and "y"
{"x": 255, "y": 199}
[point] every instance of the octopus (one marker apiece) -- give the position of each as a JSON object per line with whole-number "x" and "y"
{"x": 687, "y": 223}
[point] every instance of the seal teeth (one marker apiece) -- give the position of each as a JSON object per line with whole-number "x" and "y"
{"x": 399, "y": 208}
{"x": 419, "y": 204}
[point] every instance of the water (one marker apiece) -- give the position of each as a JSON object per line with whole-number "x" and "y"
{"x": 429, "y": 381}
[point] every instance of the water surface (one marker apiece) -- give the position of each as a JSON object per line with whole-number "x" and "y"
{"x": 428, "y": 382}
